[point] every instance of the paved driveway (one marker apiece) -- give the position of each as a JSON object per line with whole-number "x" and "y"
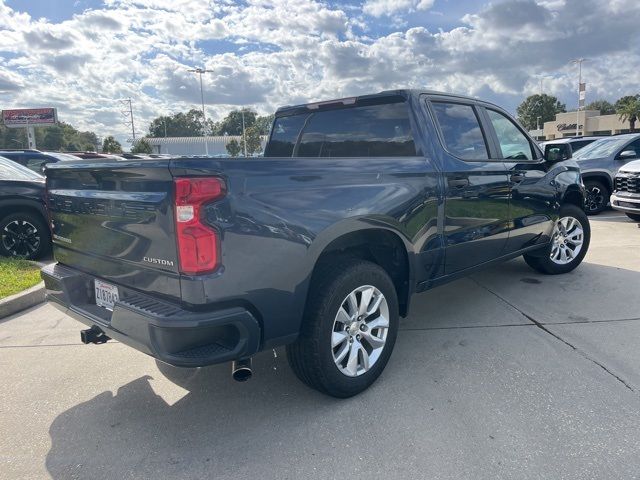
{"x": 508, "y": 374}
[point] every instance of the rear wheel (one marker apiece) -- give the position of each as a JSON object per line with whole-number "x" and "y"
{"x": 597, "y": 197}
{"x": 633, "y": 216}
{"x": 349, "y": 328}
{"x": 569, "y": 243}
{"x": 24, "y": 235}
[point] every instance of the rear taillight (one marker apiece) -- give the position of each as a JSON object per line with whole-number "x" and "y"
{"x": 198, "y": 244}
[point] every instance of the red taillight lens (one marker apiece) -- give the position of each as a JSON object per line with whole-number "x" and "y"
{"x": 198, "y": 245}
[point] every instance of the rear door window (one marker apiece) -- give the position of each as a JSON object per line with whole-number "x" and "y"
{"x": 380, "y": 130}
{"x": 461, "y": 130}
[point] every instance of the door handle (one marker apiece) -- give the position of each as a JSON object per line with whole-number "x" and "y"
{"x": 458, "y": 182}
{"x": 517, "y": 177}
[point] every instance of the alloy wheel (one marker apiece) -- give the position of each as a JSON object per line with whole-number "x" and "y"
{"x": 20, "y": 238}
{"x": 595, "y": 199}
{"x": 360, "y": 330}
{"x": 566, "y": 241}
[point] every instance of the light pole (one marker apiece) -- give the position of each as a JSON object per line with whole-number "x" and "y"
{"x": 578, "y": 61}
{"x": 244, "y": 136}
{"x": 538, "y": 122}
{"x": 542, "y": 77}
{"x": 200, "y": 71}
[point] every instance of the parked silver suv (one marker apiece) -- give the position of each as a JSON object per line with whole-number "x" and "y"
{"x": 626, "y": 194}
{"x": 600, "y": 161}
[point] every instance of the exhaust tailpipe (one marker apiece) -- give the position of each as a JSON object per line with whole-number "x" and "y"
{"x": 241, "y": 370}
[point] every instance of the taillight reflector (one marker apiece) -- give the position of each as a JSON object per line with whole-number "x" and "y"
{"x": 198, "y": 243}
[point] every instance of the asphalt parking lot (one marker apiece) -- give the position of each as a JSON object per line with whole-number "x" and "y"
{"x": 508, "y": 374}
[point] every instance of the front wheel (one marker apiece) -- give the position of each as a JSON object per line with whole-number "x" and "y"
{"x": 349, "y": 328}
{"x": 569, "y": 243}
{"x": 597, "y": 197}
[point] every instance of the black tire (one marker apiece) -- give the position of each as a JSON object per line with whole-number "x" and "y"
{"x": 541, "y": 260}
{"x": 633, "y": 216}
{"x": 24, "y": 235}
{"x": 311, "y": 357}
{"x": 597, "y": 197}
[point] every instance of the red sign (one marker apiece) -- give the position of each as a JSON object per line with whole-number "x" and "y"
{"x": 23, "y": 117}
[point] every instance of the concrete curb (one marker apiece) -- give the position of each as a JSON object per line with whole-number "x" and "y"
{"x": 22, "y": 300}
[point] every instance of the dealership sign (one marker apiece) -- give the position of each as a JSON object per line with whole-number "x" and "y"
{"x": 563, "y": 127}
{"x": 29, "y": 117}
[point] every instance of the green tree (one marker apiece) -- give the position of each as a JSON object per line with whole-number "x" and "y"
{"x": 264, "y": 123}
{"x": 180, "y": 124}
{"x": 111, "y": 145}
{"x": 62, "y": 136}
{"x": 142, "y": 146}
{"x": 606, "y": 108}
{"x": 232, "y": 123}
{"x": 544, "y": 106}
{"x": 53, "y": 138}
{"x": 233, "y": 147}
{"x": 628, "y": 108}
{"x": 254, "y": 145}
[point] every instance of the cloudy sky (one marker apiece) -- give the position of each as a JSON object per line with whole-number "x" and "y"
{"x": 82, "y": 56}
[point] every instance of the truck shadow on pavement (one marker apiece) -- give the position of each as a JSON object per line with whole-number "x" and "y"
{"x": 221, "y": 429}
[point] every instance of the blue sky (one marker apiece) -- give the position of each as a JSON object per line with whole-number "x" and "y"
{"x": 83, "y": 56}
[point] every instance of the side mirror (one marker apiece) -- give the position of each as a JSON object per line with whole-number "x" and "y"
{"x": 627, "y": 154}
{"x": 557, "y": 152}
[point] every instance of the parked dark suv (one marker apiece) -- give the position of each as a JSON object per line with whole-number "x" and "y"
{"x": 577, "y": 143}
{"x": 357, "y": 204}
{"x": 32, "y": 159}
{"x": 24, "y": 231}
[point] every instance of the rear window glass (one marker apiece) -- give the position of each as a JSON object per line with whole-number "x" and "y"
{"x": 382, "y": 130}
{"x": 284, "y": 135}
{"x": 461, "y": 130}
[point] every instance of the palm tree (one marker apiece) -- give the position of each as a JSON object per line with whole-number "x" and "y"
{"x": 630, "y": 111}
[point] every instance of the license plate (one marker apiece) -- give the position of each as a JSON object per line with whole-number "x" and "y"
{"x": 106, "y": 294}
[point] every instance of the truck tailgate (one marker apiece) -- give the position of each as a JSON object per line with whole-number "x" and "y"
{"x": 115, "y": 221}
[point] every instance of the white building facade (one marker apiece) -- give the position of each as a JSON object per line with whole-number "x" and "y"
{"x": 211, "y": 146}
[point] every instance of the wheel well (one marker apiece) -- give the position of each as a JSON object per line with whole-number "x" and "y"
{"x": 600, "y": 177}
{"x": 11, "y": 209}
{"x": 574, "y": 197}
{"x": 381, "y": 247}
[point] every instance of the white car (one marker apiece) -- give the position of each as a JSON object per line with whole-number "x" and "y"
{"x": 626, "y": 193}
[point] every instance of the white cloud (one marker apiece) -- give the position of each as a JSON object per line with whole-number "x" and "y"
{"x": 379, "y": 8}
{"x": 266, "y": 53}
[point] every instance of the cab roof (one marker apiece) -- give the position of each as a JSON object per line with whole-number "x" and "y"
{"x": 404, "y": 93}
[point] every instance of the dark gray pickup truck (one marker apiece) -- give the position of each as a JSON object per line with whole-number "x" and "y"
{"x": 357, "y": 204}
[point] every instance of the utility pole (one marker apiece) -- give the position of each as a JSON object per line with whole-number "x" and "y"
{"x": 200, "y": 71}
{"x": 127, "y": 113}
{"x": 581, "y": 90}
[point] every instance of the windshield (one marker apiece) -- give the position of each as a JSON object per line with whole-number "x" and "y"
{"x": 10, "y": 170}
{"x": 601, "y": 148}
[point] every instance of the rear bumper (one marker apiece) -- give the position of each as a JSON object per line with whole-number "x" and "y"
{"x": 161, "y": 329}
{"x": 626, "y": 202}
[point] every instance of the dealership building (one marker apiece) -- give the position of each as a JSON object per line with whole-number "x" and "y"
{"x": 590, "y": 122}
